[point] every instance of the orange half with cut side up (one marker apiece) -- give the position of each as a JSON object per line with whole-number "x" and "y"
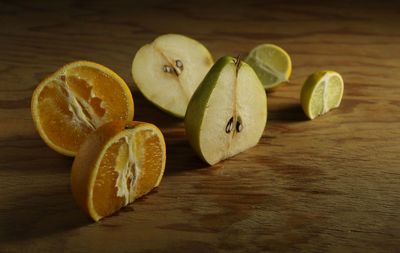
{"x": 77, "y": 99}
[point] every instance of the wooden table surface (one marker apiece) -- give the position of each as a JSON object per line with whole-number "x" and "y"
{"x": 327, "y": 185}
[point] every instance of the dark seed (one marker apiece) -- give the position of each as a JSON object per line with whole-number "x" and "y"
{"x": 239, "y": 126}
{"x": 129, "y": 127}
{"x": 229, "y": 126}
{"x": 179, "y": 64}
{"x": 167, "y": 69}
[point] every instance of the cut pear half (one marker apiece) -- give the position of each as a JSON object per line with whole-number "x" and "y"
{"x": 168, "y": 71}
{"x": 228, "y": 112}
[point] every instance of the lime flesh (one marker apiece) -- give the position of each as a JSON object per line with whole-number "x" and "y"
{"x": 272, "y": 65}
{"x": 321, "y": 92}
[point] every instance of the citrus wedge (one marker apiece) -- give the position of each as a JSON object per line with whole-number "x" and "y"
{"x": 75, "y": 100}
{"x": 118, "y": 163}
{"x": 272, "y": 65}
{"x": 321, "y": 92}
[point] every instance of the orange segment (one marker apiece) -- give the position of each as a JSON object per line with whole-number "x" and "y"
{"x": 118, "y": 163}
{"x": 150, "y": 160}
{"x": 77, "y": 99}
{"x": 104, "y": 193}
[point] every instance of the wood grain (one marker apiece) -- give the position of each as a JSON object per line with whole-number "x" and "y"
{"x": 328, "y": 185}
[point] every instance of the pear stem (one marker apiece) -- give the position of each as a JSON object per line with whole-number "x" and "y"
{"x": 238, "y": 62}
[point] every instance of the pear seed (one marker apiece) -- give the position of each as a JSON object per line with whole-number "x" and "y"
{"x": 179, "y": 64}
{"x": 129, "y": 127}
{"x": 229, "y": 126}
{"x": 168, "y": 69}
{"x": 239, "y": 125}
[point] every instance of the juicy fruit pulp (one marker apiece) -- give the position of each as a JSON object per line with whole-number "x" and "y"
{"x": 77, "y": 99}
{"x": 321, "y": 92}
{"x": 228, "y": 112}
{"x": 118, "y": 163}
{"x": 272, "y": 65}
{"x": 168, "y": 71}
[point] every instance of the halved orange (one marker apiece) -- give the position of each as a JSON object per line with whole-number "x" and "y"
{"x": 75, "y": 100}
{"x": 116, "y": 164}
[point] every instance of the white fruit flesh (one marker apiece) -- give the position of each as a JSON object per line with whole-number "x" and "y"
{"x": 129, "y": 163}
{"x": 171, "y": 90}
{"x": 242, "y": 97}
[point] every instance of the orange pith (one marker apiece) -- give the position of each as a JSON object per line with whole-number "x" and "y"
{"x": 77, "y": 99}
{"x": 118, "y": 163}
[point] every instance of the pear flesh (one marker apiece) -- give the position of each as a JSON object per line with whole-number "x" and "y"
{"x": 168, "y": 71}
{"x": 228, "y": 112}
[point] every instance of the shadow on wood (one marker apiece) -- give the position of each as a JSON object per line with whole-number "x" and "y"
{"x": 181, "y": 157}
{"x": 43, "y": 205}
{"x": 41, "y": 212}
{"x": 287, "y": 113}
{"x": 147, "y": 112}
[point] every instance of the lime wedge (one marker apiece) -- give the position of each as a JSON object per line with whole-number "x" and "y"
{"x": 271, "y": 64}
{"x": 321, "y": 92}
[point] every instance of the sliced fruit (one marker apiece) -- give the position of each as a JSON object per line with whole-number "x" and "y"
{"x": 116, "y": 164}
{"x": 75, "y": 100}
{"x": 168, "y": 71}
{"x": 272, "y": 65}
{"x": 228, "y": 112}
{"x": 321, "y": 92}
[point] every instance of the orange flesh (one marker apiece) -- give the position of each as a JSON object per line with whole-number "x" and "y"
{"x": 56, "y": 119}
{"x": 102, "y": 94}
{"x": 149, "y": 155}
{"x": 151, "y": 163}
{"x": 104, "y": 191}
{"x": 105, "y": 88}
